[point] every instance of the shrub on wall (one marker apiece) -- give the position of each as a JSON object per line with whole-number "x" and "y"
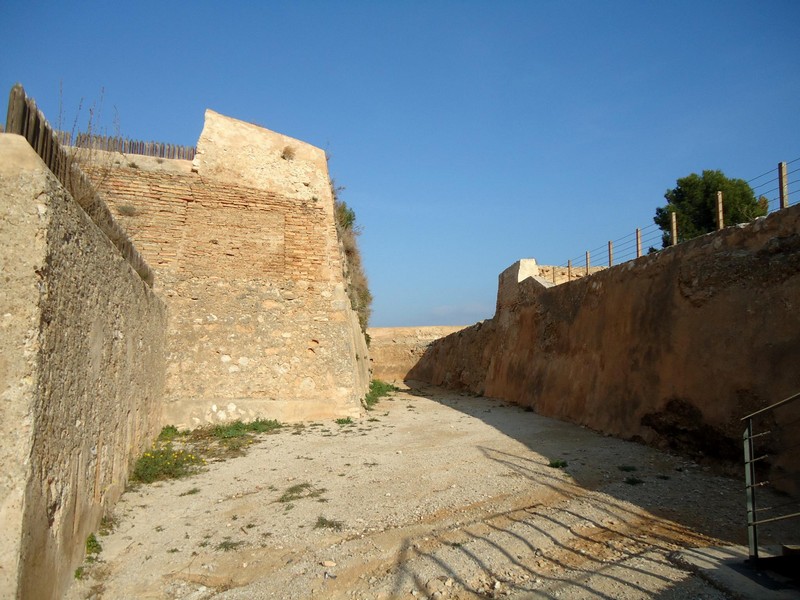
{"x": 355, "y": 277}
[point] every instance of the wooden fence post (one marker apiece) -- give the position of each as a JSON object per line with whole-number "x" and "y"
{"x": 720, "y": 217}
{"x": 587, "y": 262}
{"x": 673, "y": 228}
{"x": 783, "y": 185}
{"x": 16, "y": 110}
{"x": 638, "y": 242}
{"x": 610, "y": 253}
{"x": 569, "y": 270}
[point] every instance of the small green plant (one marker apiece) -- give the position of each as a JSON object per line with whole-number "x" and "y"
{"x": 345, "y": 421}
{"x": 633, "y": 480}
{"x": 190, "y": 492}
{"x": 228, "y": 545}
{"x": 93, "y": 548}
{"x": 108, "y": 524}
{"x": 299, "y": 491}
{"x": 173, "y": 550}
{"x": 241, "y": 429}
{"x": 165, "y": 462}
{"x": 377, "y": 390}
{"x": 558, "y": 464}
{"x": 323, "y": 523}
{"x": 626, "y": 468}
{"x": 80, "y": 573}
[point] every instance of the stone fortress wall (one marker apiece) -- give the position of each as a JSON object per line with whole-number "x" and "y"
{"x": 244, "y": 248}
{"x": 673, "y": 348}
{"x": 81, "y": 374}
{"x": 393, "y": 351}
{"x": 248, "y": 317}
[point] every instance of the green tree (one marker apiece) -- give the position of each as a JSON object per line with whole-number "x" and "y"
{"x": 694, "y": 201}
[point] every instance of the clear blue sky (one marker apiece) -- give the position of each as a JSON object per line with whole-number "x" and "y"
{"x": 468, "y": 134}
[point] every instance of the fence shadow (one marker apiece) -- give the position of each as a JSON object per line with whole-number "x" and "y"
{"x": 595, "y": 530}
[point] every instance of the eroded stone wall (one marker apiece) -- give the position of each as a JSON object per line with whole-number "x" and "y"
{"x": 393, "y": 351}
{"x": 672, "y": 348}
{"x": 81, "y": 375}
{"x": 247, "y": 259}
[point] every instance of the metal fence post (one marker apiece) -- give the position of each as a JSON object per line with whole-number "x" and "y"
{"x": 673, "y": 228}
{"x": 750, "y": 490}
{"x": 783, "y": 185}
{"x": 638, "y": 242}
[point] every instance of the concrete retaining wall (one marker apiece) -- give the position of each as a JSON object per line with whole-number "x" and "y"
{"x": 81, "y": 375}
{"x": 672, "y": 348}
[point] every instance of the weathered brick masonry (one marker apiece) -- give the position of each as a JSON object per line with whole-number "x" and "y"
{"x": 260, "y": 323}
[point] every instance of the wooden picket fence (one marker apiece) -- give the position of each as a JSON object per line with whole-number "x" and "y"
{"x": 127, "y": 146}
{"x": 25, "y": 119}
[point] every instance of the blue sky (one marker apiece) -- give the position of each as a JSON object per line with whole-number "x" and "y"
{"x": 467, "y": 134}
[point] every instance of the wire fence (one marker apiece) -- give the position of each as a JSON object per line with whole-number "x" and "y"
{"x": 772, "y": 185}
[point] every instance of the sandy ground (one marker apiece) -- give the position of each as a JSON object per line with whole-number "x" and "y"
{"x": 431, "y": 495}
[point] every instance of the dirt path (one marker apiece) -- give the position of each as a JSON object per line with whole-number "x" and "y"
{"x": 432, "y": 495}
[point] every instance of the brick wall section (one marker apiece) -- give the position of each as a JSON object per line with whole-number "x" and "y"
{"x": 81, "y": 375}
{"x": 260, "y": 324}
{"x": 672, "y": 348}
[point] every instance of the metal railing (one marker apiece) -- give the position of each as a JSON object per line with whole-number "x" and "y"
{"x": 752, "y": 483}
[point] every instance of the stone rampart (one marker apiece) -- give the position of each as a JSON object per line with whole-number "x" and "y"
{"x": 672, "y": 348}
{"x": 81, "y": 375}
{"x": 394, "y": 351}
{"x": 246, "y": 256}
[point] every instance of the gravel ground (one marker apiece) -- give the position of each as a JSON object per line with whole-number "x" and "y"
{"x": 430, "y": 495}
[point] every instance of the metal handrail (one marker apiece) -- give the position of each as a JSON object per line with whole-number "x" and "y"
{"x": 750, "y": 478}
{"x": 772, "y": 407}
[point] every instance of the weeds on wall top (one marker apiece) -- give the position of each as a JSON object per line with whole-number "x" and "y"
{"x": 355, "y": 276}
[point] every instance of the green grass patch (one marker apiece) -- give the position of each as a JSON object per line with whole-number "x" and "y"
{"x": 190, "y": 492}
{"x": 93, "y": 548}
{"x": 165, "y": 462}
{"x": 377, "y": 390}
{"x": 239, "y": 429}
{"x": 344, "y": 421}
{"x": 557, "y": 464}
{"x": 177, "y": 454}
